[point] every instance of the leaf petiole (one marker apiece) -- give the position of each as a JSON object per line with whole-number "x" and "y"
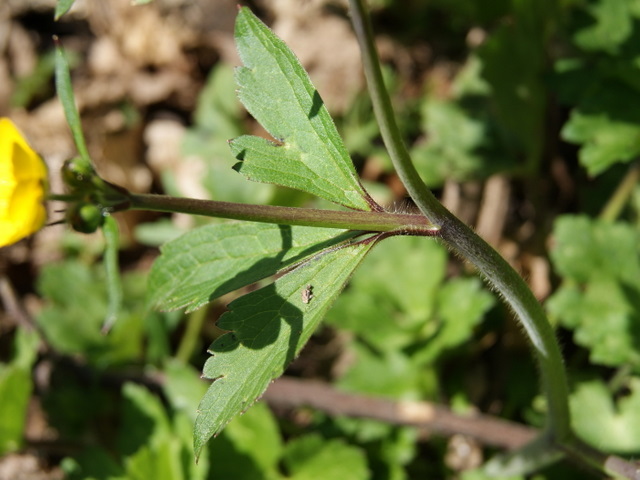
{"x": 408, "y": 224}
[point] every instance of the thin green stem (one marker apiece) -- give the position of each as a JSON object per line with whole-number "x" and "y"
{"x": 351, "y": 220}
{"x": 189, "y": 340}
{"x": 620, "y": 197}
{"x": 383, "y": 110}
{"x": 461, "y": 239}
{"x": 112, "y": 272}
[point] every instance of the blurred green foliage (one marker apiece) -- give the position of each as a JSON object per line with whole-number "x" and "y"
{"x": 16, "y": 386}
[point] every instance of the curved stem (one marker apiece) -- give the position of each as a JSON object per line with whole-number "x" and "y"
{"x": 351, "y": 220}
{"x": 461, "y": 239}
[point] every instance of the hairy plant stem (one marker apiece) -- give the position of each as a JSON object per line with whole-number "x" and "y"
{"x": 349, "y": 220}
{"x": 461, "y": 239}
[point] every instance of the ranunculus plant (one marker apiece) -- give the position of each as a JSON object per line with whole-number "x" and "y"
{"x": 313, "y": 252}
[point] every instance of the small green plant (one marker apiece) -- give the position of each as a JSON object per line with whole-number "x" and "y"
{"x": 314, "y": 252}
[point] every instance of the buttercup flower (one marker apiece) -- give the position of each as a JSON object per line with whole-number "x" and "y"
{"x": 23, "y": 181}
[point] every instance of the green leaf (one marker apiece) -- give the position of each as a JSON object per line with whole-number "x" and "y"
{"x": 76, "y": 309}
{"x": 62, "y": 7}
{"x": 154, "y": 444}
{"x": 159, "y": 463}
{"x": 112, "y": 272}
{"x": 183, "y": 387}
{"x": 605, "y": 318}
{"x": 404, "y": 303}
{"x": 391, "y": 374}
{"x": 599, "y": 298}
{"x": 15, "y": 390}
{"x": 146, "y": 419}
{"x": 269, "y": 327}
{"x": 25, "y": 349}
{"x": 414, "y": 320}
{"x": 35, "y": 85}
{"x": 218, "y": 109}
{"x": 611, "y": 426}
{"x": 389, "y": 448}
{"x": 216, "y": 259}
{"x": 413, "y": 310}
{"x": 65, "y": 93}
{"x": 308, "y": 153}
{"x": 249, "y": 447}
{"x": 92, "y": 463}
{"x": 454, "y": 142}
{"x": 586, "y": 249}
{"x": 607, "y": 129}
{"x": 151, "y": 442}
{"x": 71, "y": 326}
{"x": 613, "y": 25}
{"x": 312, "y": 457}
{"x": 462, "y": 302}
{"x": 601, "y": 88}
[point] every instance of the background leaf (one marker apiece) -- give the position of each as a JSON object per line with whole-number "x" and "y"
{"x": 608, "y": 424}
{"x": 62, "y": 7}
{"x": 612, "y": 24}
{"x": 268, "y": 328}
{"x": 312, "y": 457}
{"x": 74, "y": 327}
{"x": 16, "y": 386}
{"x": 218, "y": 118}
{"x": 455, "y": 143}
{"x": 600, "y": 298}
{"x": 112, "y": 271}
{"x": 250, "y": 447}
{"x": 64, "y": 88}
{"x": 375, "y": 294}
{"x": 308, "y": 153}
{"x": 403, "y": 326}
{"x": 418, "y": 310}
{"x": 607, "y": 129}
{"x": 600, "y": 81}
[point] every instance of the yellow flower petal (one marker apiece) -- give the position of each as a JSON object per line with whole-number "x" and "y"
{"x": 23, "y": 180}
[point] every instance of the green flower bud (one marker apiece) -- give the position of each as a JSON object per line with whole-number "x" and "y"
{"x": 85, "y": 218}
